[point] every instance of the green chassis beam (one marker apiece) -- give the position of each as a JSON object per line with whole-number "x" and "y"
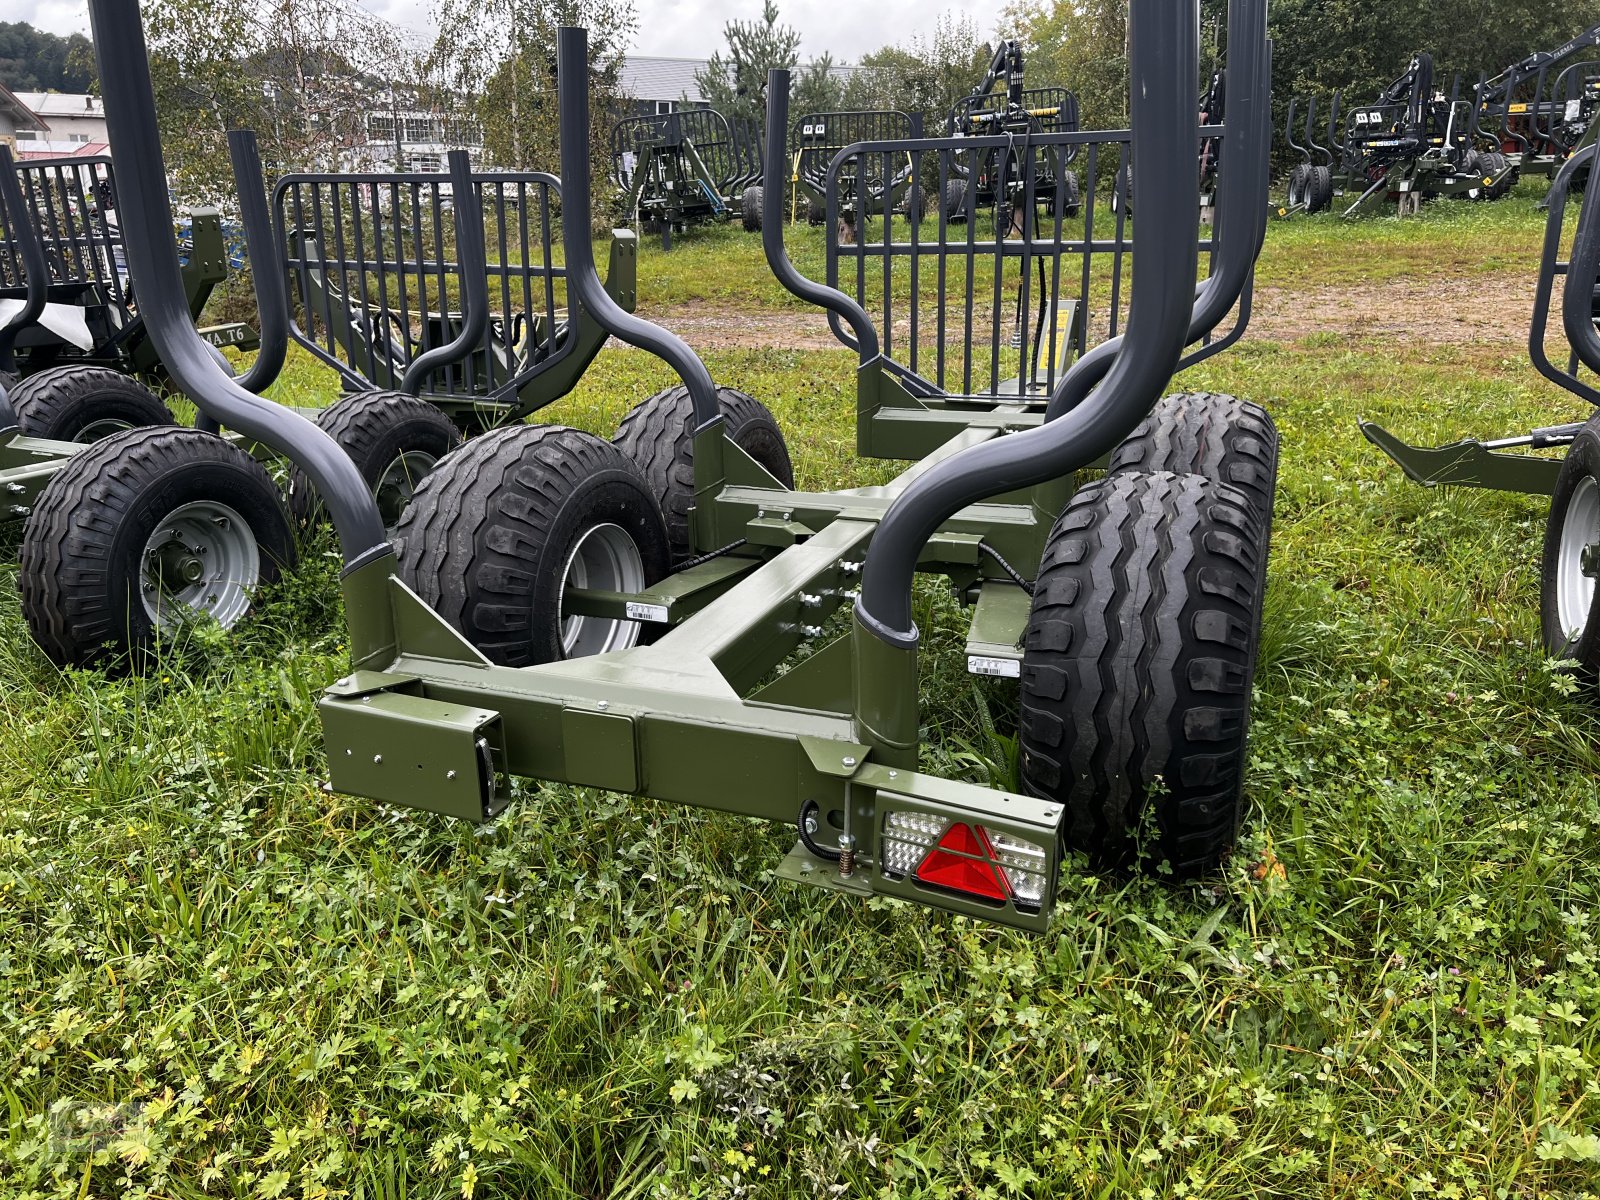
{"x": 688, "y": 719}
{"x": 1468, "y": 463}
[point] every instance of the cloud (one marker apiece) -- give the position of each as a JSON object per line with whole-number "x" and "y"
{"x": 676, "y": 28}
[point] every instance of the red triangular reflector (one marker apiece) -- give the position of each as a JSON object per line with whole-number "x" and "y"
{"x": 945, "y": 867}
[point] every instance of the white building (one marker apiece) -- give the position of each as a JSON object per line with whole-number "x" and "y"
{"x": 75, "y": 124}
{"x": 19, "y": 124}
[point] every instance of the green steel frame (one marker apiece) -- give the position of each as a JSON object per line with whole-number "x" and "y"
{"x": 1487, "y": 464}
{"x": 423, "y": 719}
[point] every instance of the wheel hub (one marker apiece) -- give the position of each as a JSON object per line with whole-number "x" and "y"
{"x": 398, "y": 484}
{"x": 1578, "y": 558}
{"x": 202, "y": 559}
{"x": 607, "y": 559}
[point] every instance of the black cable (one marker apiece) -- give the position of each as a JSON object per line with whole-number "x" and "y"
{"x": 1016, "y": 575}
{"x": 705, "y": 558}
{"x": 807, "y": 810}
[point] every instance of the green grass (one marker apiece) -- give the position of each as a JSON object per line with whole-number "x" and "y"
{"x": 218, "y": 980}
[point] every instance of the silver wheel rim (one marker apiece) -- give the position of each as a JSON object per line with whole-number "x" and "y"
{"x": 606, "y": 559}
{"x": 95, "y": 430}
{"x": 1581, "y": 529}
{"x": 201, "y": 559}
{"x": 398, "y": 484}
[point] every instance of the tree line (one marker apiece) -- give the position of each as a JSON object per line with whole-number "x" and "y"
{"x": 32, "y": 60}
{"x": 308, "y": 75}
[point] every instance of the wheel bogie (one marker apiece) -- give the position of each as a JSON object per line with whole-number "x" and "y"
{"x": 657, "y": 436}
{"x": 143, "y": 533}
{"x": 393, "y": 438}
{"x": 502, "y": 530}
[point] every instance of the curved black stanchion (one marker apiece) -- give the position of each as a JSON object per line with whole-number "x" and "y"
{"x": 121, "y": 56}
{"x": 572, "y": 74}
{"x": 471, "y": 269}
{"x": 26, "y": 238}
{"x": 1577, "y": 300}
{"x": 831, "y": 299}
{"x": 1554, "y": 227}
{"x": 1163, "y": 82}
{"x": 1241, "y": 217}
{"x": 266, "y": 275}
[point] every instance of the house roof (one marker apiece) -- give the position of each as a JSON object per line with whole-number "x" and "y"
{"x": 61, "y": 150}
{"x": 646, "y": 78}
{"x": 22, "y": 116}
{"x": 63, "y": 104}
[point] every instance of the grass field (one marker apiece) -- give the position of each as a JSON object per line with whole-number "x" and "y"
{"x": 217, "y": 980}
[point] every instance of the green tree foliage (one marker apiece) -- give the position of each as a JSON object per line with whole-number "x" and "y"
{"x": 816, "y": 88}
{"x": 502, "y": 54}
{"x": 32, "y": 60}
{"x": 735, "y": 83}
{"x": 1318, "y": 45}
{"x": 303, "y": 74}
{"x": 926, "y": 75}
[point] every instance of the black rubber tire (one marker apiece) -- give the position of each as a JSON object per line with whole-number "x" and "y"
{"x": 1071, "y": 194}
{"x": 1491, "y": 163}
{"x": 1319, "y": 195}
{"x": 8, "y": 382}
{"x": 1582, "y": 465}
{"x": 488, "y": 536}
{"x": 81, "y": 545}
{"x": 61, "y": 403}
{"x": 1137, "y": 666}
{"x": 376, "y": 429}
{"x": 656, "y": 435}
{"x": 953, "y": 202}
{"x": 750, "y": 209}
{"x": 1299, "y": 194}
{"x": 1210, "y": 434}
{"x": 816, "y": 212}
{"x": 1122, "y": 196}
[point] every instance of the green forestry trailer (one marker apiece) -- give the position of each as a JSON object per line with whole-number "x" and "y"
{"x": 1533, "y": 121}
{"x": 89, "y": 316}
{"x": 529, "y": 618}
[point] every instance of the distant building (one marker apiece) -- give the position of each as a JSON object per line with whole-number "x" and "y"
{"x": 75, "y": 124}
{"x": 400, "y": 138}
{"x": 18, "y": 122}
{"x": 661, "y": 85}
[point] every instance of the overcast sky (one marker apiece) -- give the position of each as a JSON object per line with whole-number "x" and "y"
{"x": 679, "y": 28}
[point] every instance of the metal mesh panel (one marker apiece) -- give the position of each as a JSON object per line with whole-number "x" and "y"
{"x": 679, "y": 150}
{"x": 993, "y": 298}
{"x": 375, "y": 281}
{"x": 71, "y": 204}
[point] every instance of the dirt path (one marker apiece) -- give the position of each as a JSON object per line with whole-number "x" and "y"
{"x": 1474, "y": 310}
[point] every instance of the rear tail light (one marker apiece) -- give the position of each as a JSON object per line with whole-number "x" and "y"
{"x": 967, "y": 859}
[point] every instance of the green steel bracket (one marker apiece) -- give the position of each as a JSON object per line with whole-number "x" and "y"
{"x": 26, "y": 465}
{"x": 832, "y": 757}
{"x": 999, "y": 621}
{"x": 1468, "y": 463}
{"x": 401, "y": 748}
{"x": 801, "y": 866}
{"x": 671, "y": 602}
{"x": 819, "y": 682}
{"x": 777, "y": 531}
{"x": 948, "y": 547}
